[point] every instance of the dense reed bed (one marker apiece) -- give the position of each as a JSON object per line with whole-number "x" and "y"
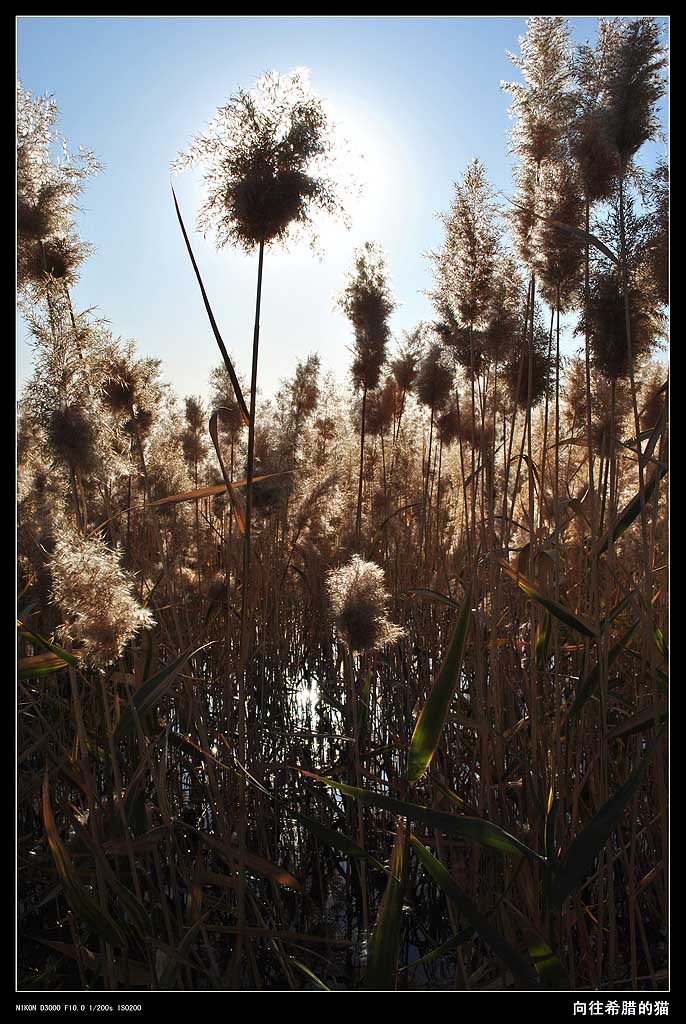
{"x": 359, "y": 689}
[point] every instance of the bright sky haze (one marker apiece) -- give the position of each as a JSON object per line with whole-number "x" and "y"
{"x": 419, "y": 97}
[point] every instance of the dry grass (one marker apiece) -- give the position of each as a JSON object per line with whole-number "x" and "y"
{"x": 175, "y": 724}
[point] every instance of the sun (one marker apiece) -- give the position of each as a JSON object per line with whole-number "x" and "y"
{"x": 368, "y": 171}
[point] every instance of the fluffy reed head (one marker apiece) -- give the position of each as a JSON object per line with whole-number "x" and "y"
{"x": 466, "y": 263}
{"x": 634, "y": 60}
{"x": 367, "y": 303}
{"x": 541, "y": 107}
{"x": 604, "y": 323}
{"x": 41, "y": 216}
{"x": 359, "y": 604}
{"x": 269, "y": 158}
{"x": 72, "y": 436}
{"x": 404, "y": 367}
{"x": 533, "y": 361}
{"x": 449, "y": 427}
{"x": 557, "y": 256}
{"x": 381, "y": 407}
{"x": 434, "y": 379}
{"x": 96, "y": 597}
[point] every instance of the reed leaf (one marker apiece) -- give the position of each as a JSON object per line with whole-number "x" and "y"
{"x": 631, "y": 512}
{"x": 309, "y": 974}
{"x": 209, "y": 492}
{"x": 237, "y": 505}
{"x": 253, "y": 861}
{"x": 590, "y": 684}
{"x": 384, "y": 945}
{"x": 498, "y": 944}
{"x": 641, "y": 721}
{"x": 547, "y": 964}
{"x": 80, "y": 901}
{"x": 554, "y": 607}
{"x": 476, "y": 830}
{"x": 433, "y": 595}
{"x": 588, "y": 844}
{"x": 429, "y": 725}
{"x": 71, "y": 658}
{"x": 215, "y": 330}
{"x": 458, "y": 939}
{"x": 338, "y": 840}
{"x": 39, "y": 665}
{"x": 151, "y": 692}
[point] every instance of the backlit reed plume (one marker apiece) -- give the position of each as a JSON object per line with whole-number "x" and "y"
{"x": 359, "y": 604}
{"x": 542, "y": 105}
{"x": 367, "y": 302}
{"x": 95, "y": 596}
{"x": 466, "y": 263}
{"x": 604, "y": 323}
{"x": 634, "y": 82}
{"x": 434, "y": 379}
{"x": 193, "y": 441}
{"x": 47, "y": 190}
{"x": 404, "y": 369}
{"x": 596, "y": 159}
{"x": 449, "y": 427}
{"x": 601, "y": 400}
{"x": 268, "y": 157}
{"x": 528, "y": 371}
{"x": 556, "y": 255}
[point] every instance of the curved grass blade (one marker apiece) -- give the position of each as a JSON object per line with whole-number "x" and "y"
{"x": 202, "y": 492}
{"x": 81, "y": 903}
{"x": 28, "y": 634}
{"x": 152, "y": 691}
{"x": 260, "y": 865}
{"x": 617, "y": 610}
{"x": 384, "y": 945}
{"x": 661, "y": 643}
{"x": 429, "y": 725}
{"x": 543, "y": 643}
{"x": 310, "y": 974}
{"x": 458, "y": 939}
{"x": 476, "y": 830}
{"x": 632, "y": 510}
{"x": 339, "y": 840}
{"x": 454, "y": 798}
{"x": 583, "y": 236}
{"x": 434, "y": 595}
{"x": 222, "y": 348}
{"x": 39, "y": 665}
{"x": 547, "y": 964}
{"x": 236, "y": 500}
{"x": 136, "y": 911}
{"x": 172, "y": 964}
{"x": 590, "y": 683}
{"x": 591, "y": 840}
{"x": 210, "y": 492}
{"x": 556, "y": 609}
{"x": 500, "y": 946}
{"x": 365, "y": 710}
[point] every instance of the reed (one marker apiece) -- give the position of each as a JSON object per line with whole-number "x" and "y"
{"x": 371, "y": 691}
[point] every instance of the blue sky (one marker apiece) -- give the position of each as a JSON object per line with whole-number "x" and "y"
{"x": 420, "y": 97}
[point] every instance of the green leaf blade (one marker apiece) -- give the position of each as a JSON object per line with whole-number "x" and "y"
{"x": 500, "y": 946}
{"x": 591, "y": 840}
{"x": 429, "y": 725}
